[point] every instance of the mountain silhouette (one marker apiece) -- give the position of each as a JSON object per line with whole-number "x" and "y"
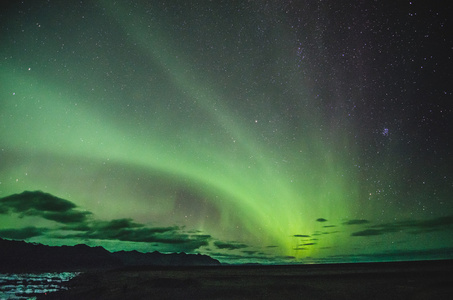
{"x": 20, "y": 256}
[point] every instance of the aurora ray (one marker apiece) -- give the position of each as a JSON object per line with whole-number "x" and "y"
{"x": 161, "y": 119}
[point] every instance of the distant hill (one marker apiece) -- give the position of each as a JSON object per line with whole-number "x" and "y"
{"x": 135, "y": 258}
{"x": 19, "y": 256}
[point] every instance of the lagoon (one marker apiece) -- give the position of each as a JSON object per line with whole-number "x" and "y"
{"x": 30, "y": 285}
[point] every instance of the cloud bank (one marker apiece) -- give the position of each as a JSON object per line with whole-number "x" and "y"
{"x": 67, "y": 215}
{"x": 412, "y": 227}
{"x": 43, "y": 205}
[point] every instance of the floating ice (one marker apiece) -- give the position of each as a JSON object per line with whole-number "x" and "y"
{"x": 27, "y": 285}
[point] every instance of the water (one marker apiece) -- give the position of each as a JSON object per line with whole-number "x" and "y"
{"x": 28, "y": 286}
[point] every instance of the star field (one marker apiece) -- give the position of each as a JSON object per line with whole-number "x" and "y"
{"x": 309, "y": 131}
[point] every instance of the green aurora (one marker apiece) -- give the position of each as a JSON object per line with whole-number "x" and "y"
{"x": 190, "y": 125}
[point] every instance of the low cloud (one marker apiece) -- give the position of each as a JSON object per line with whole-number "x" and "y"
{"x": 22, "y": 233}
{"x": 128, "y": 231}
{"x": 251, "y": 252}
{"x": 67, "y": 217}
{"x": 411, "y": 226}
{"x": 371, "y": 232}
{"x": 301, "y": 235}
{"x": 229, "y": 245}
{"x": 356, "y": 222}
{"x": 300, "y": 248}
{"x": 64, "y": 212}
{"x": 321, "y": 220}
{"x": 40, "y": 204}
{"x": 318, "y": 233}
{"x": 36, "y": 200}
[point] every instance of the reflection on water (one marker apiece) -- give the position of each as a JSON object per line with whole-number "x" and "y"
{"x": 28, "y": 286}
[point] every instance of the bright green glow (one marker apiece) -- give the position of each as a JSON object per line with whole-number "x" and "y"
{"x": 273, "y": 198}
{"x": 270, "y": 190}
{"x": 258, "y": 180}
{"x": 242, "y": 130}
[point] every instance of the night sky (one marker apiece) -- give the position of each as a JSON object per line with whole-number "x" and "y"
{"x": 250, "y": 131}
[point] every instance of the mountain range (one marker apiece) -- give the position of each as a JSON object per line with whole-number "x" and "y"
{"x": 20, "y": 256}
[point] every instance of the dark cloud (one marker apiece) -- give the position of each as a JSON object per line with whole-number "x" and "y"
{"x": 329, "y": 226}
{"x": 229, "y": 245}
{"x": 301, "y": 235}
{"x": 371, "y": 232}
{"x": 119, "y": 224}
{"x": 412, "y": 226}
{"x": 330, "y": 232}
{"x": 251, "y": 252}
{"x": 300, "y": 248}
{"x": 67, "y": 217}
{"x": 43, "y": 205}
{"x": 22, "y": 233}
{"x": 83, "y": 226}
{"x": 47, "y": 206}
{"x": 317, "y": 233}
{"x": 321, "y": 220}
{"x": 429, "y": 225}
{"x": 37, "y": 200}
{"x": 308, "y": 244}
{"x": 356, "y": 222}
{"x": 129, "y": 231}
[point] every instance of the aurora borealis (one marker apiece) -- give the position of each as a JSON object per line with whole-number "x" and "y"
{"x": 275, "y": 132}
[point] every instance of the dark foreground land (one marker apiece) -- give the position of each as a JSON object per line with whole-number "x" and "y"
{"x": 408, "y": 280}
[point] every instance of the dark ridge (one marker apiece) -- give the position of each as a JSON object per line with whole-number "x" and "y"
{"x": 20, "y": 256}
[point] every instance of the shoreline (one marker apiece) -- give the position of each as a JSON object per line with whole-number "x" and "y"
{"x": 393, "y": 280}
